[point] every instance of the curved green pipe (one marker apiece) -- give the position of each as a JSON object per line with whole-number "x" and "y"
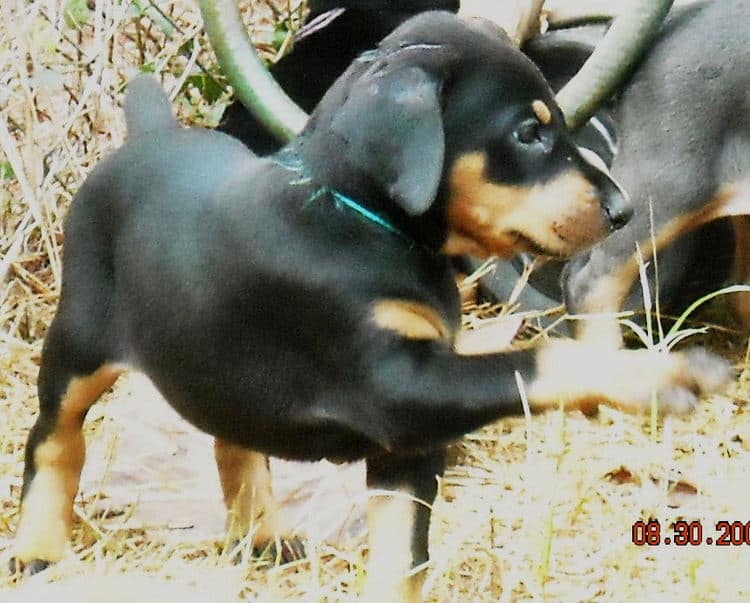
{"x": 609, "y": 65}
{"x": 613, "y": 60}
{"x": 251, "y": 81}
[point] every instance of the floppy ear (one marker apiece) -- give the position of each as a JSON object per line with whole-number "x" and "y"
{"x": 392, "y": 127}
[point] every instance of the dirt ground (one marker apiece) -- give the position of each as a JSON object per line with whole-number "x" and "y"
{"x": 537, "y": 509}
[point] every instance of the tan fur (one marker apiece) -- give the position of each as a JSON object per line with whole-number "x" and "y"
{"x": 581, "y": 375}
{"x": 542, "y": 112}
{"x": 390, "y": 521}
{"x": 729, "y": 200}
{"x": 83, "y": 392}
{"x": 410, "y": 319}
{"x": 246, "y": 483}
{"x": 602, "y": 302}
{"x": 741, "y": 270}
{"x": 610, "y": 291}
{"x": 47, "y": 509}
{"x": 486, "y": 218}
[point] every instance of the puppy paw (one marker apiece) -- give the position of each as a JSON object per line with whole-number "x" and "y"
{"x": 709, "y": 372}
{"x": 292, "y": 549}
{"x": 677, "y": 400}
{"x": 268, "y": 553}
{"x": 27, "y": 568}
{"x": 698, "y": 373}
{"x": 582, "y": 376}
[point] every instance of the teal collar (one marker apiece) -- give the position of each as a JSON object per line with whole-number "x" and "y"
{"x": 342, "y": 200}
{"x": 290, "y": 160}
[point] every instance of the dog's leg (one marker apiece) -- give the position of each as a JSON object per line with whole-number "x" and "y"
{"x": 429, "y": 395}
{"x": 399, "y": 523}
{"x": 741, "y": 271}
{"x": 604, "y": 300}
{"x": 55, "y": 450}
{"x": 246, "y": 483}
{"x": 599, "y": 282}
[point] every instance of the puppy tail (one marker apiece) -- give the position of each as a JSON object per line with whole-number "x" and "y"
{"x": 147, "y": 107}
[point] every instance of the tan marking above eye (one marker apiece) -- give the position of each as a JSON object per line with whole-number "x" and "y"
{"x": 542, "y": 112}
{"x": 411, "y": 319}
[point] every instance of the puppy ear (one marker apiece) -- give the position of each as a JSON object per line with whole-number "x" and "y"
{"x": 392, "y": 127}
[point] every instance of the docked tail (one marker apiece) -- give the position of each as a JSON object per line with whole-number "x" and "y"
{"x": 147, "y": 107}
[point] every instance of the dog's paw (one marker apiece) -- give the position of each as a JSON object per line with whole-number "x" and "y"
{"x": 711, "y": 373}
{"x": 698, "y": 373}
{"x": 291, "y": 549}
{"x": 582, "y": 375}
{"x": 27, "y": 568}
{"x": 272, "y": 552}
{"x": 678, "y": 380}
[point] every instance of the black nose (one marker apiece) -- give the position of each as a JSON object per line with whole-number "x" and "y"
{"x": 614, "y": 201}
{"x": 618, "y": 210}
{"x": 615, "y": 204}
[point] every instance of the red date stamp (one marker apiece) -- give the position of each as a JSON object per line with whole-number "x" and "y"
{"x": 690, "y": 533}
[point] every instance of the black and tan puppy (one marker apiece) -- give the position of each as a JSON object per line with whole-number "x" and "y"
{"x": 303, "y": 305}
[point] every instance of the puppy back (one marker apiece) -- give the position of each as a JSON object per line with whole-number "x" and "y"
{"x": 146, "y": 106}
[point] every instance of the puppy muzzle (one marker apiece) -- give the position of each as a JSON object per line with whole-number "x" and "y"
{"x": 614, "y": 201}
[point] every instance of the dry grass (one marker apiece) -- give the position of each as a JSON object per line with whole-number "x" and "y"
{"x": 538, "y": 509}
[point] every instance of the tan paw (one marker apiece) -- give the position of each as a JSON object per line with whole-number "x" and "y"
{"x": 582, "y": 375}
{"x": 700, "y": 373}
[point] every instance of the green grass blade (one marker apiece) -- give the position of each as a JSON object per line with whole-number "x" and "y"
{"x": 692, "y": 307}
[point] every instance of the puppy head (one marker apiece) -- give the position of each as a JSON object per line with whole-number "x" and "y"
{"x": 459, "y": 130}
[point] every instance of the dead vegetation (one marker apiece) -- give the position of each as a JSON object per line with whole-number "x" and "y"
{"x": 535, "y": 509}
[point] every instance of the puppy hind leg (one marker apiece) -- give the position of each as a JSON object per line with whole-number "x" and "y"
{"x": 245, "y": 479}
{"x": 55, "y": 450}
{"x": 399, "y": 524}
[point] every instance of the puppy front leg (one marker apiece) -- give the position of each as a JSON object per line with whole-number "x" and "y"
{"x": 399, "y": 523}
{"x": 246, "y": 483}
{"x": 582, "y": 375}
{"x": 740, "y": 302}
{"x": 427, "y": 394}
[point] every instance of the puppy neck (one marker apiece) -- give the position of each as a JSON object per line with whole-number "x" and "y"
{"x": 291, "y": 160}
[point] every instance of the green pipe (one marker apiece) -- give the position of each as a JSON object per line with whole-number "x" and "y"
{"x": 610, "y": 64}
{"x": 252, "y": 83}
{"x": 613, "y": 60}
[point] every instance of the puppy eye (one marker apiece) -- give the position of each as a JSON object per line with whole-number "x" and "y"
{"x": 528, "y": 132}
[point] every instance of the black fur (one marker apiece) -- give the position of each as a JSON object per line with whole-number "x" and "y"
{"x": 323, "y": 54}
